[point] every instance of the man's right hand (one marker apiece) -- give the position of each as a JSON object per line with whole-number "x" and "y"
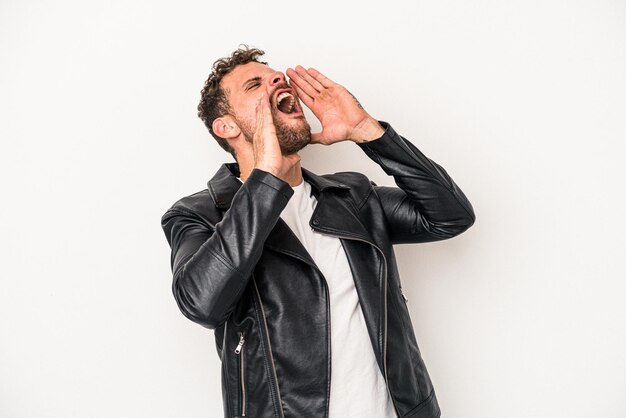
{"x": 266, "y": 149}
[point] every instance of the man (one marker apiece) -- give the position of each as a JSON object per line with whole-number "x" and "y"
{"x": 295, "y": 271}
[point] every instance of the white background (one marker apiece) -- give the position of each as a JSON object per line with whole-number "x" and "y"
{"x": 523, "y": 103}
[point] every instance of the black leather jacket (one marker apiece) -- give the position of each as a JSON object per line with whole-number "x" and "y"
{"x": 239, "y": 270}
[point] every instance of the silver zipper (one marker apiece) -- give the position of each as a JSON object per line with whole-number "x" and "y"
{"x": 224, "y": 359}
{"x": 385, "y": 305}
{"x": 241, "y": 341}
{"x": 404, "y": 297}
{"x": 242, "y": 376}
{"x": 280, "y": 402}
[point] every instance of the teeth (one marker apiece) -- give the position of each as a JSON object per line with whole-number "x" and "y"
{"x": 289, "y": 105}
{"x": 282, "y": 95}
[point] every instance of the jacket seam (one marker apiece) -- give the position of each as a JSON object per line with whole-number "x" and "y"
{"x": 329, "y": 228}
{"x": 180, "y": 211}
{"x": 286, "y": 251}
{"x": 364, "y": 199}
{"x": 421, "y": 405}
{"x": 224, "y": 261}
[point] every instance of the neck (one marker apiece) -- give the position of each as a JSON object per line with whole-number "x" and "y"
{"x": 293, "y": 176}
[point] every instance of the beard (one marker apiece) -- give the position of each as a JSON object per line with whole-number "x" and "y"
{"x": 290, "y": 138}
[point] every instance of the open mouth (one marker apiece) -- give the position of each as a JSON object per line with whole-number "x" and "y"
{"x": 286, "y": 103}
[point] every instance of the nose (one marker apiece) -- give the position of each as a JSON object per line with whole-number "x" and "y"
{"x": 277, "y": 78}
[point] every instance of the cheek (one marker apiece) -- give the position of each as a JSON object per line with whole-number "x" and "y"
{"x": 246, "y": 119}
{"x": 246, "y": 110}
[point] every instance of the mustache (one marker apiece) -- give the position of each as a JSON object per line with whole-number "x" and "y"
{"x": 282, "y": 86}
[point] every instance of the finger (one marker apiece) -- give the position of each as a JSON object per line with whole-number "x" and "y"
{"x": 309, "y": 79}
{"x": 267, "y": 111}
{"x": 302, "y": 83}
{"x": 266, "y": 125}
{"x": 308, "y": 101}
{"x": 322, "y": 79}
{"x": 259, "y": 115}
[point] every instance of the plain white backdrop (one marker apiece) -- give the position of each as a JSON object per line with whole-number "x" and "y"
{"x": 522, "y": 102}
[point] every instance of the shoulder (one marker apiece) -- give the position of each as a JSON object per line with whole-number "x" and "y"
{"x": 198, "y": 205}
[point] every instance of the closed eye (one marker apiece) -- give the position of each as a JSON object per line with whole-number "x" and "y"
{"x": 252, "y": 86}
{"x": 252, "y": 83}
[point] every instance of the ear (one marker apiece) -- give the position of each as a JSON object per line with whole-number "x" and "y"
{"x": 225, "y": 127}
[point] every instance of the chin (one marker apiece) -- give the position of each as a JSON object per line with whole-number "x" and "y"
{"x": 289, "y": 146}
{"x": 293, "y": 140}
{"x": 290, "y": 150}
{"x": 293, "y": 135}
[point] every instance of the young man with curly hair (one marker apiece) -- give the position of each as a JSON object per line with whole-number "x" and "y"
{"x": 294, "y": 271}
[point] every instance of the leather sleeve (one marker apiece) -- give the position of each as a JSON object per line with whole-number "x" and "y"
{"x": 427, "y": 205}
{"x": 212, "y": 264}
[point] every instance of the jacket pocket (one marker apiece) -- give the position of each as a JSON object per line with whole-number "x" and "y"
{"x": 241, "y": 353}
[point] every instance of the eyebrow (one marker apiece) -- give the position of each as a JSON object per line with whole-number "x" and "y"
{"x": 246, "y": 85}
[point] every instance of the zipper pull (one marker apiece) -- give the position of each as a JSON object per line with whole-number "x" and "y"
{"x": 405, "y": 299}
{"x": 241, "y": 341}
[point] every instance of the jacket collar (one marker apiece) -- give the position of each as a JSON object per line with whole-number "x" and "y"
{"x": 336, "y": 213}
{"x": 224, "y": 184}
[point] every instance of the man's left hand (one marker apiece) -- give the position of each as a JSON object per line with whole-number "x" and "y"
{"x": 340, "y": 113}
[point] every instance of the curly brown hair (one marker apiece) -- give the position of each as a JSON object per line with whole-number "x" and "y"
{"x": 214, "y": 99}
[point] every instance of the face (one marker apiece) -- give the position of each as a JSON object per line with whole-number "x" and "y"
{"x": 245, "y": 85}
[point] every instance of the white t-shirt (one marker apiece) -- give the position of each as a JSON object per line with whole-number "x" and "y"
{"x": 358, "y": 387}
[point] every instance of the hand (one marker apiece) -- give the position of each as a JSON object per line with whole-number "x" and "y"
{"x": 340, "y": 113}
{"x": 266, "y": 148}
